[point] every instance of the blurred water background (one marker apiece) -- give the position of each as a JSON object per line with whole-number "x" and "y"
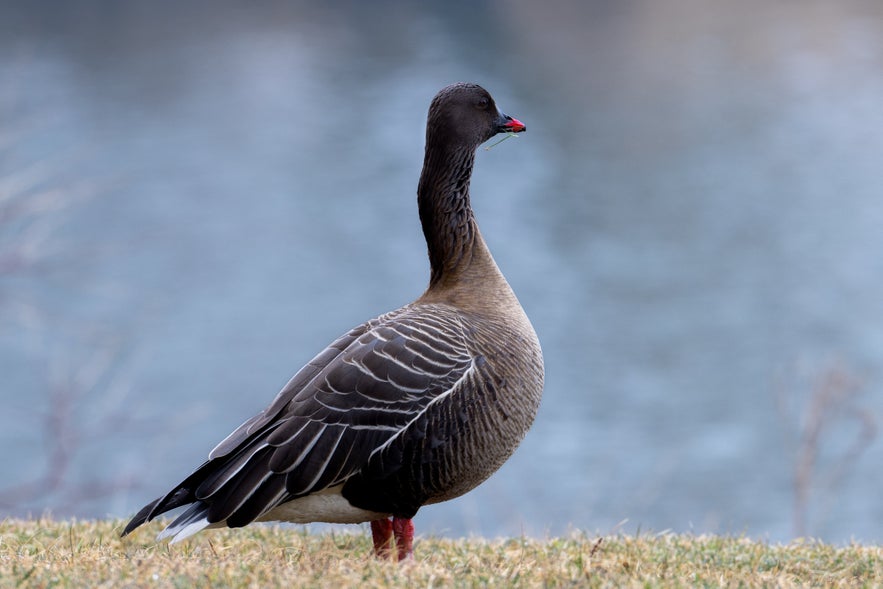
{"x": 195, "y": 197}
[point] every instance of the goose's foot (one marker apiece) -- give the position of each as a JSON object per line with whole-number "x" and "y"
{"x": 403, "y": 529}
{"x": 381, "y": 531}
{"x": 384, "y": 530}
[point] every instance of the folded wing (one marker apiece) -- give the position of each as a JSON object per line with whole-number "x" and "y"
{"x": 364, "y": 389}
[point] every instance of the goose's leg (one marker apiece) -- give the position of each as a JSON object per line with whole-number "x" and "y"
{"x": 381, "y": 531}
{"x": 403, "y": 529}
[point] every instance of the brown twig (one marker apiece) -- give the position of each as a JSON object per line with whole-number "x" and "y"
{"x": 832, "y": 397}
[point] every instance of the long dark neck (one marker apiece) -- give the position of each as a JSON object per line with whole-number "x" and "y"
{"x": 445, "y": 213}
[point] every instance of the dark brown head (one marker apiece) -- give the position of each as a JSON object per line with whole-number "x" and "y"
{"x": 465, "y": 115}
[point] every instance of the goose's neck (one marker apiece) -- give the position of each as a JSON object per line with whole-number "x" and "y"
{"x": 449, "y": 225}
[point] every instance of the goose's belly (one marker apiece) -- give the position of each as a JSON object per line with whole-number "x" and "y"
{"x": 325, "y": 506}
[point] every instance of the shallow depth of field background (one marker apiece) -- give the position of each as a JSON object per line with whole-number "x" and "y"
{"x": 196, "y": 197}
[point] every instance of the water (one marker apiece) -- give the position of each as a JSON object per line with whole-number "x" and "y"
{"x": 197, "y": 198}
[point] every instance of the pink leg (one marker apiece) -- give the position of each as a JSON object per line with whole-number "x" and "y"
{"x": 381, "y": 530}
{"x": 404, "y": 533}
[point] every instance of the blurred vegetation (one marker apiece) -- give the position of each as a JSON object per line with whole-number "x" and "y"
{"x": 47, "y": 553}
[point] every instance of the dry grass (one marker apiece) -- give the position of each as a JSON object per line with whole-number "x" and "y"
{"x": 48, "y": 553}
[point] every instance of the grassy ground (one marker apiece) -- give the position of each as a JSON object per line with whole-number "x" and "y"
{"x": 48, "y": 553}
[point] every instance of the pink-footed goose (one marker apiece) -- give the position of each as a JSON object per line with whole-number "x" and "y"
{"x": 414, "y": 407}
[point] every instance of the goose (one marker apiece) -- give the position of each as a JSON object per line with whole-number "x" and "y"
{"x": 414, "y": 407}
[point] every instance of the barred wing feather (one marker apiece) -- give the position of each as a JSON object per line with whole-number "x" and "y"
{"x": 355, "y": 397}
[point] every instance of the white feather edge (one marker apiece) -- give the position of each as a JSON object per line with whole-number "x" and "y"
{"x": 184, "y": 530}
{"x": 327, "y": 505}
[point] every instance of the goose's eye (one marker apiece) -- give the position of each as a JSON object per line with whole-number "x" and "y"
{"x": 482, "y": 103}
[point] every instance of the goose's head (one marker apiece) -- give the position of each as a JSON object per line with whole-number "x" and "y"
{"x": 466, "y": 115}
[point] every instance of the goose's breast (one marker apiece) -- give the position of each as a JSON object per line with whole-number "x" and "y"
{"x": 468, "y": 431}
{"x": 495, "y": 412}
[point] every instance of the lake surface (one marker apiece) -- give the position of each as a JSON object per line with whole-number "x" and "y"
{"x": 195, "y": 198}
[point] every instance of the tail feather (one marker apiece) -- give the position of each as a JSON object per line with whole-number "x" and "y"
{"x": 179, "y": 496}
{"x": 176, "y": 498}
{"x": 142, "y": 516}
{"x": 188, "y": 523}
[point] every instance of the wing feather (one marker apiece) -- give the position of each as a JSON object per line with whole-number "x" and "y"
{"x": 351, "y": 401}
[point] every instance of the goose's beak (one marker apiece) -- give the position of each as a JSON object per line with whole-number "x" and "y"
{"x": 510, "y": 125}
